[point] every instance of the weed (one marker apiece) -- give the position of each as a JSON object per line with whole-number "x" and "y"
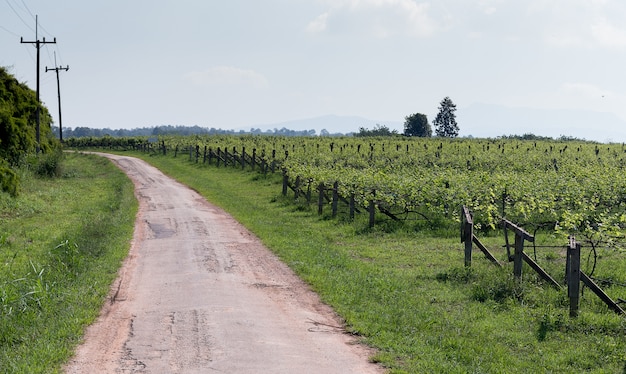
{"x": 49, "y": 288}
{"x": 456, "y": 275}
{"x": 497, "y": 286}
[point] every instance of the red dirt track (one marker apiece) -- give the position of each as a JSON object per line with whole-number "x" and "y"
{"x": 199, "y": 293}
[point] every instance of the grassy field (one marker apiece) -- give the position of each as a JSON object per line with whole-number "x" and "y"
{"x": 402, "y": 290}
{"x": 407, "y": 293}
{"x": 61, "y": 243}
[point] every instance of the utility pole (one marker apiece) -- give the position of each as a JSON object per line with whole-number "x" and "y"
{"x": 57, "y": 68}
{"x": 38, "y": 44}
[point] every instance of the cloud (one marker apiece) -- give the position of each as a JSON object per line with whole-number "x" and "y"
{"x": 581, "y": 23}
{"x": 378, "y": 18}
{"x": 227, "y": 76}
{"x": 319, "y": 24}
{"x": 607, "y": 34}
{"x": 488, "y": 7}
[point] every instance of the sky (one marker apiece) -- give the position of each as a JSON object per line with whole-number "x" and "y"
{"x": 548, "y": 67}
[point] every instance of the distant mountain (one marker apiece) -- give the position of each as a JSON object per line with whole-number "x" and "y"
{"x": 331, "y": 123}
{"x": 487, "y": 120}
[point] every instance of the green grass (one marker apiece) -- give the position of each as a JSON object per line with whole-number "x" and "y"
{"x": 404, "y": 290}
{"x": 61, "y": 244}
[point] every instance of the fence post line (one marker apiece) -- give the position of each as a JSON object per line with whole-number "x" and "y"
{"x": 573, "y": 276}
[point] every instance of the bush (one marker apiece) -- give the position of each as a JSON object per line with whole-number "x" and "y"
{"x": 49, "y": 165}
{"x": 9, "y": 180}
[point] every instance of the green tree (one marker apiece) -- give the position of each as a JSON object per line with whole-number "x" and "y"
{"x": 417, "y": 125}
{"x": 18, "y": 105}
{"x": 445, "y": 122}
{"x": 379, "y": 130}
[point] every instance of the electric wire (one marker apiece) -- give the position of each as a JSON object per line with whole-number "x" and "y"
{"x": 9, "y": 31}
{"x": 27, "y": 9}
{"x": 18, "y": 16}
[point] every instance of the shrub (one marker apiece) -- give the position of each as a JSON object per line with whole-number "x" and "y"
{"x": 50, "y": 164}
{"x": 9, "y": 180}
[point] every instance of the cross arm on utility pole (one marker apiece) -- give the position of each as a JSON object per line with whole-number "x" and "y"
{"x": 38, "y": 43}
{"x": 57, "y": 69}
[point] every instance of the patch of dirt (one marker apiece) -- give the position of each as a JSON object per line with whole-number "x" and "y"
{"x": 199, "y": 293}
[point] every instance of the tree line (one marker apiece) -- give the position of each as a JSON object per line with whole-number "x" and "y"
{"x": 417, "y": 124}
{"x": 86, "y": 132}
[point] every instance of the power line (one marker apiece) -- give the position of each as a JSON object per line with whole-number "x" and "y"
{"x": 18, "y": 16}
{"x": 9, "y": 31}
{"x": 28, "y": 10}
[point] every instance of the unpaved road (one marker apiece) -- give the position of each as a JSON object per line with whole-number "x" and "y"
{"x": 198, "y": 293}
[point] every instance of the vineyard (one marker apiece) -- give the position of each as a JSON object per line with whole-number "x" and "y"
{"x": 373, "y": 225}
{"x": 569, "y": 187}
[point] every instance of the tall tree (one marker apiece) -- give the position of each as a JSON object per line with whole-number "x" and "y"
{"x": 417, "y": 125}
{"x": 18, "y": 103}
{"x": 445, "y": 122}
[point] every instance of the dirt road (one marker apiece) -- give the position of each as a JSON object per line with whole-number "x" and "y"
{"x": 198, "y": 293}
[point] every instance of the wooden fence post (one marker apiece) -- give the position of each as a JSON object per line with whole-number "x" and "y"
{"x": 572, "y": 268}
{"x": 351, "y": 205}
{"x": 320, "y": 200}
{"x": 296, "y": 190}
{"x": 372, "y": 210}
{"x": 308, "y": 191}
{"x": 335, "y": 197}
{"x": 517, "y": 257}
{"x": 467, "y": 234}
{"x": 285, "y": 182}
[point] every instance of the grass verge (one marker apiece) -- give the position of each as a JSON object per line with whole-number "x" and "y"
{"x": 62, "y": 241}
{"x": 407, "y": 294}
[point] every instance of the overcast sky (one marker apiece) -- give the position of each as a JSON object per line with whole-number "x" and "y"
{"x": 239, "y": 63}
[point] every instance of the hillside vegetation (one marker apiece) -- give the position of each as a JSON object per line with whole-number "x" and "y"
{"x": 18, "y": 133}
